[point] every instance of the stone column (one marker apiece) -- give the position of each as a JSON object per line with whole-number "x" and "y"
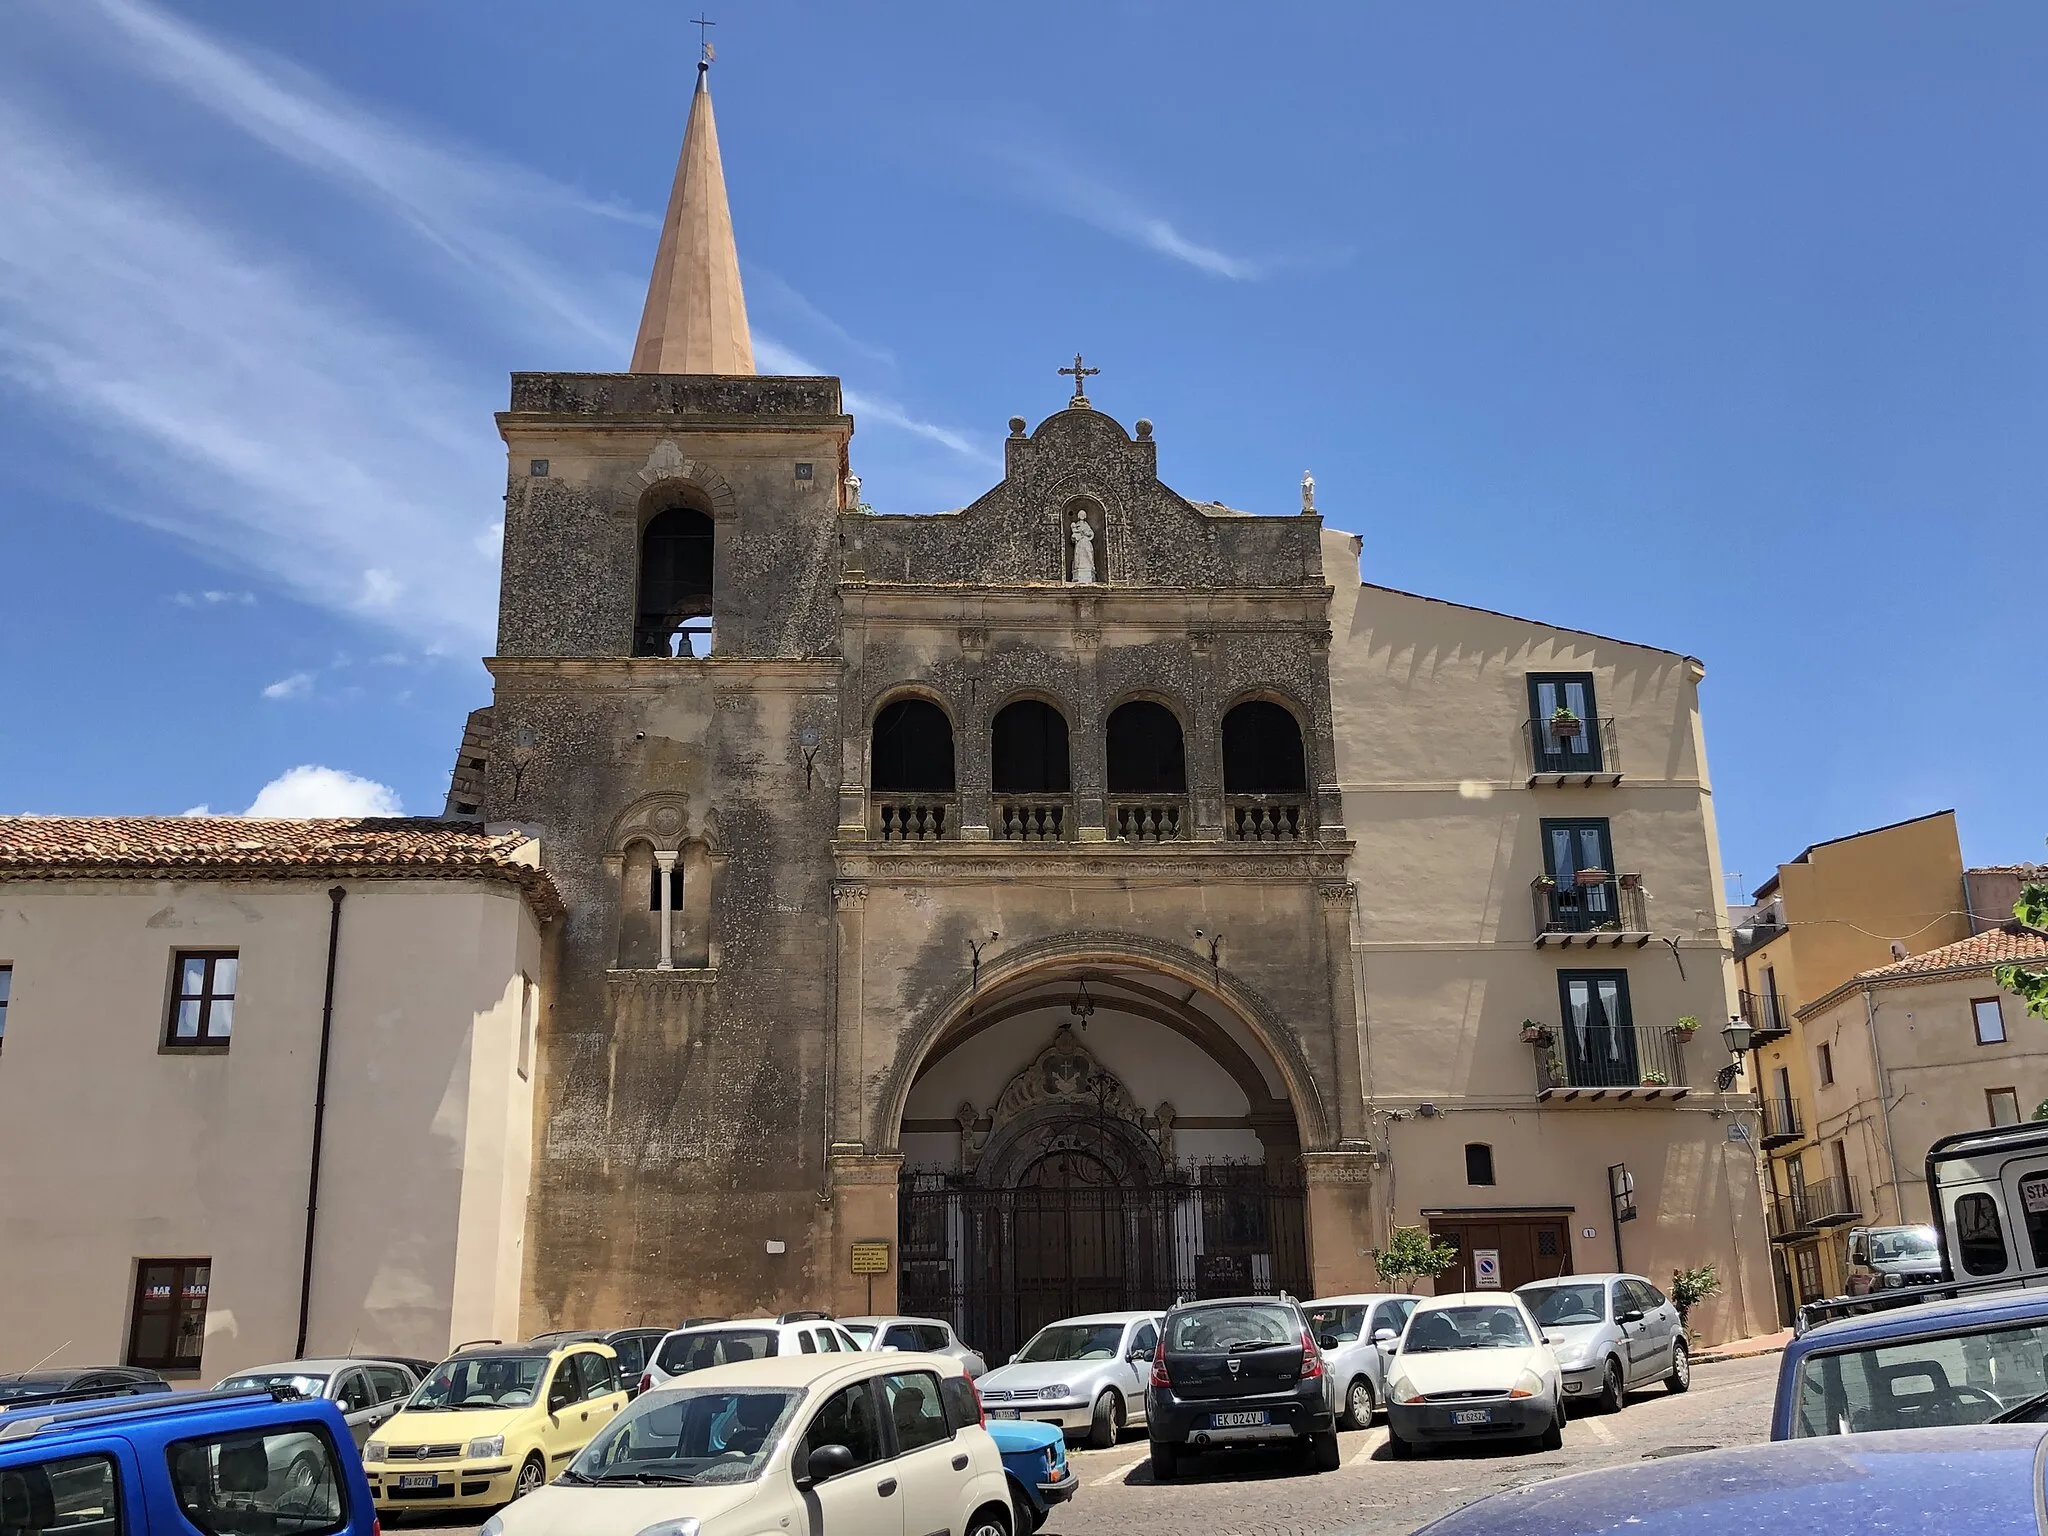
{"x": 863, "y": 1210}
{"x": 1347, "y": 1107}
{"x": 665, "y": 863}
{"x": 850, "y": 905}
{"x": 1338, "y": 1191}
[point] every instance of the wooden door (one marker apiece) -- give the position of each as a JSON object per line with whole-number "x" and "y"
{"x": 1525, "y": 1249}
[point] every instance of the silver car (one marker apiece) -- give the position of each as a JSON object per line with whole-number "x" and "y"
{"x": 1351, "y": 1331}
{"x": 1081, "y": 1373}
{"x": 925, "y": 1334}
{"x": 1610, "y": 1333}
{"x": 366, "y": 1391}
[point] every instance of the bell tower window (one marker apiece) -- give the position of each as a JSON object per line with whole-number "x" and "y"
{"x": 673, "y": 616}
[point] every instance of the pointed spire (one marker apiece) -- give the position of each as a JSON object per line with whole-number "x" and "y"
{"x": 696, "y": 317}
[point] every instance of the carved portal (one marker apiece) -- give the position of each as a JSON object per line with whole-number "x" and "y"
{"x": 1065, "y": 1101}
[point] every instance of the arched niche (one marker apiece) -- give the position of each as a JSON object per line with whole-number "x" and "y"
{"x": 1028, "y": 752}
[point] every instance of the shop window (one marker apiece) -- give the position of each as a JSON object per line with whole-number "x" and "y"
{"x": 167, "y": 1327}
{"x": 203, "y": 1006}
{"x": 1478, "y": 1163}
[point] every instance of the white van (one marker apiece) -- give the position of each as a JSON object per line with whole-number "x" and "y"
{"x": 1990, "y": 1195}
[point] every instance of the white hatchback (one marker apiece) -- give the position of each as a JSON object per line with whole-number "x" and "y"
{"x": 744, "y": 1338}
{"x": 856, "y": 1445}
{"x": 1472, "y": 1367}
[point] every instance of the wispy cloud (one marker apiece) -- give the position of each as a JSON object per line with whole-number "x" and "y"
{"x": 774, "y": 357}
{"x": 212, "y": 599}
{"x": 766, "y": 290}
{"x": 297, "y": 686}
{"x": 1078, "y": 195}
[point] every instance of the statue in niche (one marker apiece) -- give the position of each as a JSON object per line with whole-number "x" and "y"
{"x": 1082, "y": 532}
{"x": 1162, "y": 1131}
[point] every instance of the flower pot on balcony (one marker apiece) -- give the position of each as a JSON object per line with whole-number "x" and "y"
{"x": 1586, "y": 877}
{"x": 1656, "y": 1079}
{"x": 1536, "y": 1034}
{"x": 1565, "y": 727}
{"x": 1685, "y": 1029}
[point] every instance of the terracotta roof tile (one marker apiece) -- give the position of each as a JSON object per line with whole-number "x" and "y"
{"x": 233, "y": 847}
{"x": 2011, "y": 944}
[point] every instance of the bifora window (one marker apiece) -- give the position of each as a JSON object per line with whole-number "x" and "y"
{"x": 203, "y": 1005}
{"x": 168, "y": 1327}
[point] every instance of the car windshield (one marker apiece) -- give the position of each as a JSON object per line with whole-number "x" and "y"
{"x": 480, "y": 1381}
{"x": 1232, "y": 1329}
{"x": 863, "y": 1333}
{"x": 1907, "y": 1243}
{"x": 1565, "y": 1306}
{"x": 1072, "y": 1341}
{"x": 685, "y": 1352}
{"x": 1343, "y": 1324}
{"x": 693, "y": 1435}
{"x": 32, "y": 1386}
{"x": 1446, "y": 1328}
{"x": 1964, "y": 1379}
{"x": 298, "y": 1383}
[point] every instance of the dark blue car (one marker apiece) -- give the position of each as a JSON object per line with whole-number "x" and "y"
{"x": 1035, "y": 1457}
{"x": 1911, "y": 1482}
{"x": 219, "y": 1463}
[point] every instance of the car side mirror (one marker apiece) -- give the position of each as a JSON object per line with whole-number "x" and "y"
{"x": 826, "y": 1463}
{"x": 1546, "y": 1338}
{"x": 888, "y": 1349}
{"x": 1328, "y": 1341}
{"x": 1632, "y": 1315}
{"x": 1141, "y": 1357}
{"x": 1384, "y": 1336}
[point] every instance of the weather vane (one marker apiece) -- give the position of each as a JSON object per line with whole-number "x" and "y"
{"x": 705, "y": 52}
{"x": 1081, "y": 376}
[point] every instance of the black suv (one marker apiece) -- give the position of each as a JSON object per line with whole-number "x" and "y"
{"x": 1243, "y": 1371}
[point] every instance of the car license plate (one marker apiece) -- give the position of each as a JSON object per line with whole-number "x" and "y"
{"x": 1002, "y": 1413}
{"x": 1237, "y": 1420}
{"x": 1472, "y": 1416}
{"x": 418, "y": 1480}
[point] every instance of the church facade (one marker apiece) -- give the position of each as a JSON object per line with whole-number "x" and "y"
{"x": 1086, "y": 898}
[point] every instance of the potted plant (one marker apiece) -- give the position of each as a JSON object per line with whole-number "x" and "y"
{"x": 1564, "y": 725}
{"x": 1536, "y": 1034}
{"x": 1685, "y": 1029}
{"x": 1587, "y": 877}
{"x": 1656, "y": 1078}
{"x": 1546, "y": 882}
{"x": 1554, "y": 1066}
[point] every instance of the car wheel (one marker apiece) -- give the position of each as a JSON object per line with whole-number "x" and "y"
{"x": 1552, "y": 1439}
{"x": 303, "y": 1473}
{"x": 1358, "y": 1404}
{"x": 1165, "y": 1462}
{"x": 1024, "y": 1516}
{"x": 987, "y": 1522}
{"x": 1681, "y": 1368}
{"x": 1613, "y": 1391}
{"x": 531, "y": 1476}
{"x": 1108, "y": 1421}
{"x": 1323, "y": 1454}
{"x": 1399, "y": 1449}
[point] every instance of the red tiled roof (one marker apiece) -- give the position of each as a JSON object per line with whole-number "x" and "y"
{"x": 2010, "y": 944}
{"x": 238, "y": 848}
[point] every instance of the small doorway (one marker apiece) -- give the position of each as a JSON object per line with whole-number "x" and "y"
{"x": 1504, "y": 1252}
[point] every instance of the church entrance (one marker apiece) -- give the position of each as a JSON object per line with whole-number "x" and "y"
{"x": 1121, "y": 1163}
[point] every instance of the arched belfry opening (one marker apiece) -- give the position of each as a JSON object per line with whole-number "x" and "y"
{"x": 910, "y": 772}
{"x": 1095, "y": 1136}
{"x": 1265, "y": 774}
{"x": 1148, "y": 773}
{"x": 673, "y": 614}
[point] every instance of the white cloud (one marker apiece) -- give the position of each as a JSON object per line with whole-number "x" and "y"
{"x": 212, "y": 599}
{"x": 198, "y": 810}
{"x": 774, "y": 357}
{"x": 298, "y": 685}
{"x": 1080, "y": 196}
{"x": 310, "y": 790}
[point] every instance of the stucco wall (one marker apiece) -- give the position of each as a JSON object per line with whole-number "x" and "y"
{"x": 116, "y": 1149}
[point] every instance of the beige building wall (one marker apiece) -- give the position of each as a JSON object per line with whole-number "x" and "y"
{"x": 1430, "y": 708}
{"x": 116, "y": 1148}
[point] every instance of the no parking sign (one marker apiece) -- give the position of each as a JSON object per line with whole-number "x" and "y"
{"x": 1486, "y": 1269}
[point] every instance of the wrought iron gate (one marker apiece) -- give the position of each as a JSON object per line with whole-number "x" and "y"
{"x": 999, "y": 1264}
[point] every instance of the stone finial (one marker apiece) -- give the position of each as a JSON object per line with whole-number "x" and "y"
{"x": 1144, "y": 429}
{"x": 1016, "y": 426}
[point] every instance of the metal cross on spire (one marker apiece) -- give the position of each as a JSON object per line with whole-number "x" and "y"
{"x": 1080, "y": 376}
{"x": 705, "y": 52}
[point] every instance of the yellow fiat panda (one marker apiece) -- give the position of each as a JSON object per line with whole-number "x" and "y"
{"x": 492, "y": 1423}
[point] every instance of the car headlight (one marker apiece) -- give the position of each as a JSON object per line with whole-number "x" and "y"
{"x": 1894, "y": 1280}
{"x": 684, "y": 1527}
{"x": 1060, "y": 1391}
{"x": 1572, "y": 1356}
{"x": 495, "y": 1526}
{"x": 374, "y": 1451}
{"x": 488, "y": 1445}
{"x": 1528, "y": 1384}
{"x": 1402, "y": 1390}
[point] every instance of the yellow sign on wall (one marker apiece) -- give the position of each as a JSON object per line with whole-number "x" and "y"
{"x": 871, "y": 1258}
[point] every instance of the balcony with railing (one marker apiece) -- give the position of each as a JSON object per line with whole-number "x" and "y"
{"x": 1147, "y": 818}
{"x": 1572, "y": 751}
{"x": 1832, "y": 1202}
{"x": 1783, "y": 1123}
{"x": 1031, "y": 818}
{"x": 1769, "y": 1016}
{"x": 1267, "y": 818}
{"x": 909, "y": 817}
{"x": 1791, "y": 1219}
{"x": 1596, "y": 1062}
{"x": 1593, "y": 907}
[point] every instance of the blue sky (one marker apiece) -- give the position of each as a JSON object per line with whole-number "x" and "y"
{"x": 1719, "y": 328}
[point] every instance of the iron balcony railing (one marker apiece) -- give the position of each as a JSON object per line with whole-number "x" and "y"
{"x": 1266, "y": 818}
{"x": 1791, "y": 1219}
{"x": 1598, "y": 1061}
{"x": 1031, "y": 818}
{"x": 1573, "y": 752}
{"x": 915, "y": 818}
{"x": 1832, "y": 1202}
{"x": 1147, "y": 818}
{"x": 1782, "y": 1122}
{"x": 1605, "y": 908}
{"x": 1769, "y": 1015}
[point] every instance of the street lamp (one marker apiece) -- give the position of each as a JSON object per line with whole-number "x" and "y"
{"x": 1736, "y": 1036}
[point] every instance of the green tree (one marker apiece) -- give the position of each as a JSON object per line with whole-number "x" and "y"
{"x": 1412, "y": 1254}
{"x": 1690, "y": 1287}
{"x": 2029, "y": 981}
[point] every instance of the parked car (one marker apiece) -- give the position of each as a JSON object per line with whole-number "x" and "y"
{"x": 1239, "y": 1372}
{"x": 854, "y": 1443}
{"x": 1035, "y": 1460}
{"x": 184, "y": 1461}
{"x": 1349, "y": 1331}
{"x": 1081, "y": 1374}
{"x": 927, "y": 1334}
{"x": 1472, "y": 1366}
{"x": 368, "y": 1392}
{"x": 1932, "y": 1364}
{"x": 1610, "y": 1333}
{"x": 491, "y": 1424}
{"x": 729, "y": 1341}
{"x": 1890, "y": 1258}
{"x": 1917, "y": 1480}
{"x": 80, "y": 1381}
{"x": 631, "y": 1345}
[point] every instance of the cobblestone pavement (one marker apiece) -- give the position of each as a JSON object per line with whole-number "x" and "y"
{"x": 1268, "y": 1494}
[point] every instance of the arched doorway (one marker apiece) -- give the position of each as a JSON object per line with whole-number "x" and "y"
{"x": 1099, "y": 1139}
